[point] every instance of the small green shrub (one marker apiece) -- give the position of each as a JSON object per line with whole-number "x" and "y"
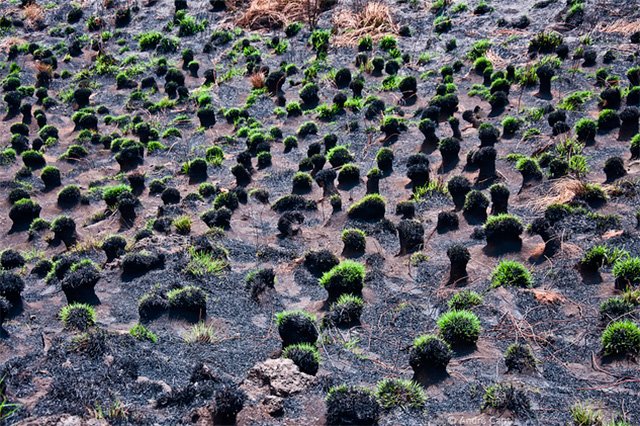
{"x": 464, "y": 300}
{"x": 511, "y": 273}
{"x": 345, "y": 278}
{"x": 627, "y": 272}
{"x": 78, "y": 315}
{"x": 459, "y": 328}
{"x": 621, "y": 338}
{"x": 405, "y": 394}
{"x": 141, "y": 332}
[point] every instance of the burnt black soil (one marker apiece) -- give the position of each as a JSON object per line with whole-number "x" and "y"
{"x": 51, "y": 370}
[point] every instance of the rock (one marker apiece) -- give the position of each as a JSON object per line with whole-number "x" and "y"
{"x": 62, "y": 420}
{"x": 281, "y": 376}
{"x": 163, "y": 385}
{"x": 202, "y": 416}
{"x": 273, "y": 405}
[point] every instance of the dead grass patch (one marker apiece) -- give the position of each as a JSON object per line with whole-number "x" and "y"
{"x": 42, "y": 67}
{"x": 5, "y": 44}
{"x": 571, "y": 250}
{"x": 563, "y": 191}
{"x": 268, "y": 14}
{"x": 374, "y": 20}
{"x": 497, "y": 61}
{"x": 257, "y": 80}
{"x": 33, "y": 14}
{"x": 621, "y": 26}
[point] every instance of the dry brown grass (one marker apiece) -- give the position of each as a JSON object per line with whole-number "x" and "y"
{"x": 561, "y": 191}
{"x": 268, "y": 14}
{"x": 374, "y": 19}
{"x": 42, "y": 67}
{"x": 6, "y": 43}
{"x": 257, "y": 80}
{"x": 622, "y": 26}
{"x": 33, "y": 14}
{"x": 498, "y": 61}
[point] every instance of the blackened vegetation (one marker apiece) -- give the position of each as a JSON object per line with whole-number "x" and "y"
{"x": 78, "y": 284}
{"x": 320, "y": 261}
{"x": 139, "y": 263}
{"x": 258, "y": 282}
{"x": 351, "y": 405}
{"x": 295, "y": 328}
{"x": 429, "y": 358}
{"x": 163, "y": 160}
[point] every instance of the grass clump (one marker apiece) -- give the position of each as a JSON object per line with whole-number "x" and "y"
{"x": 459, "y": 328}
{"x": 110, "y": 194}
{"x": 214, "y": 155}
{"x": 575, "y": 100}
{"x": 627, "y": 272}
{"x": 203, "y": 263}
{"x": 511, "y": 273}
{"x": 503, "y": 227}
{"x": 478, "y": 49}
{"x": 305, "y": 356}
{"x": 201, "y": 333}
{"x": 78, "y": 315}
{"x": 370, "y": 206}
{"x": 354, "y": 240}
{"x": 545, "y": 42}
{"x": 502, "y": 397}
{"x": 601, "y": 255}
{"x": 464, "y": 300}
{"x": 621, "y": 338}
{"x": 520, "y": 358}
{"x": 339, "y": 155}
{"x": 140, "y": 332}
{"x": 182, "y": 224}
{"x": 392, "y": 393}
{"x": 616, "y": 308}
{"x": 583, "y": 414}
{"x": 346, "y": 310}
{"x": 345, "y": 278}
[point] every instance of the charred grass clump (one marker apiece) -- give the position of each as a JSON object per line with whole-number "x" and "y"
{"x": 405, "y": 394}
{"x": 235, "y": 160}
{"x": 296, "y": 327}
{"x": 305, "y": 356}
{"x": 345, "y": 278}
{"x": 351, "y": 405}
{"x": 78, "y": 316}
{"x": 188, "y": 302}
